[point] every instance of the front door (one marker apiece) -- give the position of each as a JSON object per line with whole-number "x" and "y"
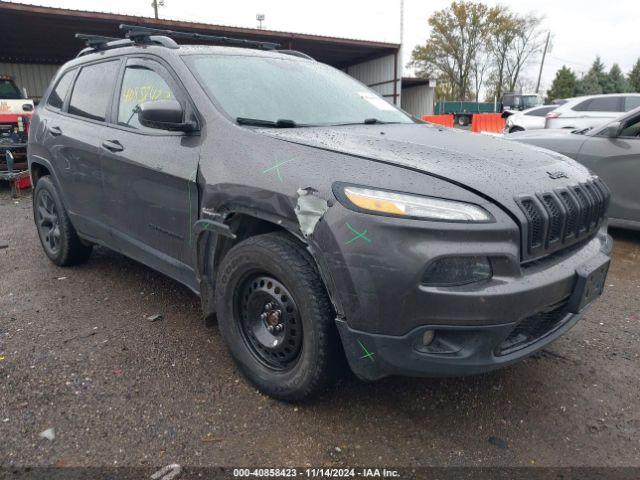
{"x": 617, "y": 162}
{"x": 150, "y": 174}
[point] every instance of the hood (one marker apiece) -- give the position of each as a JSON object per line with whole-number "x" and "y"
{"x": 491, "y": 166}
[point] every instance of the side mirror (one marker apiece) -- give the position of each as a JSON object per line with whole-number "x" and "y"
{"x": 163, "y": 115}
{"x": 612, "y": 130}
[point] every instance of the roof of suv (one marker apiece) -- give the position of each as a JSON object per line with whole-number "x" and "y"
{"x": 162, "y": 51}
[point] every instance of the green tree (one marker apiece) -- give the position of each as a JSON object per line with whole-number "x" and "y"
{"x": 457, "y": 35}
{"x": 634, "y": 77}
{"x": 563, "y": 86}
{"x": 588, "y": 85}
{"x": 617, "y": 82}
{"x": 595, "y": 81}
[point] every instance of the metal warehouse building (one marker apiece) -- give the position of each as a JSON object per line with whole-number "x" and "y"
{"x": 37, "y": 40}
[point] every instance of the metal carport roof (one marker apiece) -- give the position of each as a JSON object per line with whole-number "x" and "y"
{"x": 36, "y": 34}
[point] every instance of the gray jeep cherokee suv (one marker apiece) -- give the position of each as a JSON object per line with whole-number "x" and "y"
{"x": 313, "y": 219}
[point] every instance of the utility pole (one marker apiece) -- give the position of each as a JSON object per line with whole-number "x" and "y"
{"x": 155, "y": 4}
{"x": 544, "y": 54}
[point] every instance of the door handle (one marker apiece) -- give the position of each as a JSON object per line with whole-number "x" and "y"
{"x": 55, "y": 131}
{"x": 113, "y": 145}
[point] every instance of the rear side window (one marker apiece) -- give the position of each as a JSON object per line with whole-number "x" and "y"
{"x": 600, "y": 104}
{"x": 631, "y": 102}
{"x": 57, "y": 96}
{"x": 541, "y": 112}
{"x": 93, "y": 89}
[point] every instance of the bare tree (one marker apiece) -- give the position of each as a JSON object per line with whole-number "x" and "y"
{"x": 503, "y": 31}
{"x": 527, "y": 45}
{"x": 457, "y": 34}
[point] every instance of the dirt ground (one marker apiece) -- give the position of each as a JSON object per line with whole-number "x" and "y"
{"x": 79, "y": 355}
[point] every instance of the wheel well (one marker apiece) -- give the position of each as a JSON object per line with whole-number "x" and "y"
{"x": 244, "y": 226}
{"x": 38, "y": 171}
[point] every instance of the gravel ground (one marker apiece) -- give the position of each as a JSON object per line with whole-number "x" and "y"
{"x": 79, "y": 355}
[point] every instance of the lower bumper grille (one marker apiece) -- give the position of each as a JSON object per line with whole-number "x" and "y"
{"x": 533, "y": 328}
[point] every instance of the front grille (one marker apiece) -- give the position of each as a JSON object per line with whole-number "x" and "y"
{"x": 533, "y": 328}
{"x": 557, "y": 219}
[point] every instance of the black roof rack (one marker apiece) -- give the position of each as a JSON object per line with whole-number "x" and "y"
{"x": 141, "y": 34}
{"x": 95, "y": 40}
{"x": 98, "y": 42}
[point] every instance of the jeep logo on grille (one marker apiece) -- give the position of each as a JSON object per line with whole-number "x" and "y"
{"x": 556, "y": 175}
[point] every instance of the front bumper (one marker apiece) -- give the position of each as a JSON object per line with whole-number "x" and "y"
{"x": 458, "y": 350}
{"x": 384, "y": 310}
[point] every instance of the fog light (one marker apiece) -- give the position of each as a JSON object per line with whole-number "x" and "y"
{"x": 427, "y": 337}
{"x": 453, "y": 271}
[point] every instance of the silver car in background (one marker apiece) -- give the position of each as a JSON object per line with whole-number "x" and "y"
{"x": 530, "y": 119}
{"x": 591, "y": 111}
{"x": 611, "y": 151}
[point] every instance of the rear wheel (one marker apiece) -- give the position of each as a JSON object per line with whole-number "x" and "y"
{"x": 516, "y": 129}
{"x": 59, "y": 239}
{"x": 276, "y": 318}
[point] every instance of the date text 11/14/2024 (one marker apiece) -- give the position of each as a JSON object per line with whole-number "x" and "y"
{"x": 316, "y": 472}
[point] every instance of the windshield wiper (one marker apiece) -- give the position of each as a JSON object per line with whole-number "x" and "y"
{"x": 583, "y": 131}
{"x": 367, "y": 121}
{"x": 256, "y": 122}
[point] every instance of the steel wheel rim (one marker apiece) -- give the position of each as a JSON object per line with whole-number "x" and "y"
{"x": 265, "y": 302}
{"x": 48, "y": 221}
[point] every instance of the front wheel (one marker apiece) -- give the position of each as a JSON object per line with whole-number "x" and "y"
{"x": 276, "y": 318}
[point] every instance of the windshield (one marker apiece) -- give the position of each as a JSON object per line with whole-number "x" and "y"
{"x": 529, "y": 101}
{"x": 9, "y": 90}
{"x": 288, "y": 91}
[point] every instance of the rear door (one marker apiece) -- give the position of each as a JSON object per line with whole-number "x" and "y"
{"x": 597, "y": 111}
{"x": 150, "y": 174}
{"x": 617, "y": 162}
{"x": 72, "y": 138}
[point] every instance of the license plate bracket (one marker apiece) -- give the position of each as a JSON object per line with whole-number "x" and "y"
{"x": 589, "y": 283}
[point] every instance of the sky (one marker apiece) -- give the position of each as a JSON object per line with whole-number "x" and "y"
{"x": 580, "y": 29}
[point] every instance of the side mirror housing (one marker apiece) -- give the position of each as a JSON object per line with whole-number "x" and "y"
{"x": 612, "y": 130}
{"x": 164, "y": 115}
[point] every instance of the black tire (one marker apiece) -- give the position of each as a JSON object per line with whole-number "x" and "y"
{"x": 516, "y": 129}
{"x": 59, "y": 239}
{"x": 315, "y": 366}
{"x": 463, "y": 120}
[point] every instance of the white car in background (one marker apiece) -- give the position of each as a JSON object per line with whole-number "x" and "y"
{"x": 531, "y": 119}
{"x": 591, "y": 111}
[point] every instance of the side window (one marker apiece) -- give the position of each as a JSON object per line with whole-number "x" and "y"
{"x": 631, "y": 102}
{"x": 540, "y": 112}
{"x": 604, "y": 104}
{"x": 632, "y": 129}
{"x": 140, "y": 84}
{"x": 582, "y": 106}
{"x": 93, "y": 89}
{"x": 59, "y": 93}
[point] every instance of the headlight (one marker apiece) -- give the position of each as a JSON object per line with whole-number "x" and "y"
{"x": 411, "y": 206}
